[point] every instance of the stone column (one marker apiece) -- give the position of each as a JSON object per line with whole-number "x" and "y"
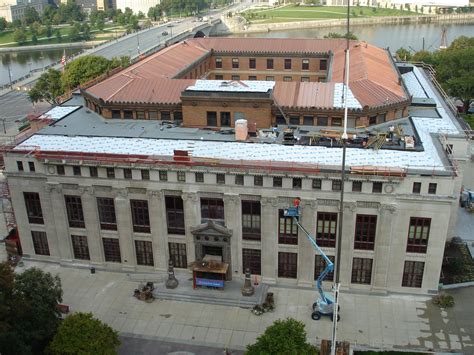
{"x": 192, "y": 218}
{"x": 124, "y": 229}
{"x": 91, "y": 219}
{"x": 61, "y": 222}
{"x": 233, "y": 221}
{"x": 306, "y": 250}
{"x": 159, "y": 230}
{"x": 382, "y": 247}
{"x": 50, "y": 224}
{"x": 269, "y": 235}
{"x": 347, "y": 244}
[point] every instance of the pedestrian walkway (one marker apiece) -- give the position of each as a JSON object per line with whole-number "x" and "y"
{"x": 389, "y": 322}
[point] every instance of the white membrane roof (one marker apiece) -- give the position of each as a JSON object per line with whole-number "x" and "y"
{"x": 58, "y": 112}
{"x": 232, "y": 86}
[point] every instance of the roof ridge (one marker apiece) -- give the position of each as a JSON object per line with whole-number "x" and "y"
{"x": 120, "y": 88}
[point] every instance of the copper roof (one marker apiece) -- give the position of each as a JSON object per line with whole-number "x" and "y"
{"x": 304, "y": 95}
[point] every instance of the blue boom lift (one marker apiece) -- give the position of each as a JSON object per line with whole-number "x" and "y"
{"x": 325, "y": 305}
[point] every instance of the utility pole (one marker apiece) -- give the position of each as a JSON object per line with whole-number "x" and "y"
{"x": 10, "y": 74}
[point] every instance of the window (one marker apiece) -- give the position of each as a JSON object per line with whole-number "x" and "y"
{"x": 305, "y": 79}
{"x": 413, "y": 274}
{"x": 251, "y": 219}
{"x": 365, "y": 229}
{"x": 212, "y": 208}
{"x": 174, "y": 214}
{"x": 361, "y": 271}
{"x": 416, "y": 187}
{"x": 308, "y": 120}
{"x": 270, "y": 78}
{"x": 252, "y": 77}
{"x": 297, "y": 183}
{"x": 19, "y": 165}
{"x": 219, "y": 77}
{"x": 76, "y": 170}
{"x": 316, "y": 184}
{"x": 280, "y": 119}
{"x": 178, "y": 255}
{"x": 80, "y": 247}
{"x": 33, "y": 207}
{"x": 235, "y": 77}
{"x": 269, "y": 63}
{"x": 31, "y": 166}
{"x": 258, "y": 180}
{"x": 107, "y": 218}
{"x": 277, "y": 181}
{"x": 144, "y": 252}
{"x": 322, "y": 121}
{"x": 336, "y": 121}
{"x": 287, "y": 229}
{"x": 74, "y": 211}
{"x": 320, "y": 265}
{"x": 239, "y": 179}
{"x": 432, "y": 188}
{"x": 225, "y": 119}
{"x": 287, "y": 63}
{"x": 93, "y": 171}
{"x": 140, "y": 216}
{"x": 336, "y": 185}
{"x": 40, "y": 243}
{"x": 127, "y": 173}
{"x": 323, "y": 64}
{"x": 294, "y": 119}
{"x": 377, "y": 187}
{"x": 372, "y": 120}
{"x": 212, "y": 118}
{"x": 163, "y": 175}
{"x": 305, "y": 64}
{"x": 165, "y": 115}
{"x": 112, "y": 250}
{"x": 287, "y": 265}
{"x": 128, "y": 114}
{"x": 235, "y": 63}
{"x": 326, "y": 226}
{"x": 252, "y": 63}
{"x": 110, "y": 173}
{"x": 356, "y": 186}
{"x": 181, "y": 176}
{"x": 60, "y": 170}
{"x": 145, "y": 174}
{"x": 251, "y": 259}
{"x": 218, "y": 63}
{"x": 152, "y": 115}
{"x": 418, "y": 234}
{"x": 220, "y": 178}
{"x": 199, "y": 177}
{"x": 140, "y": 115}
{"x": 287, "y": 78}
{"x": 116, "y": 114}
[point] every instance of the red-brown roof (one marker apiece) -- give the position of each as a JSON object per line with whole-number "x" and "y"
{"x": 308, "y": 95}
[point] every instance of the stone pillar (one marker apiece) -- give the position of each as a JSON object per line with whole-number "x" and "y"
{"x": 233, "y": 222}
{"x": 269, "y": 218}
{"x": 91, "y": 219}
{"x": 61, "y": 222}
{"x": 124, "y": 229}
{"x": 159, "y": 230}
{"x": 306, "y": 250}
{"x": 382, "y": 247}
{"x": 192, "y": 218}
{"x": 347, "y": 244}
{"x": 50, "y": 224}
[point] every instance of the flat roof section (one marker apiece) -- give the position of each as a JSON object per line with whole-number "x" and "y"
{"x": 232, "y": 86}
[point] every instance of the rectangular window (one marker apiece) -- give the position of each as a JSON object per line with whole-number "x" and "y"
{"x": 112, "y": 250}
{"x": 220, "y": 179}
{"x": 320, "y": 265}
{"x": 127, "y": 173}
{"x": 323, "y": 64}
{"x": 178, "y": 115}
{"x": 336, "y": 185}
{"x": 219, "y": 77}
{"x": 416, "y": 187}
{"x": 140, "y": 216}
{"x": 372, "y": 120}
{"x": 199, "y": 177}
{"x": 19, "y": 165}
{"x": 297, "y": 183}
{"x": 165, "y": 115}
{"x": 128, "y": 114}
{"x": 270, "y": 78}
{"x": 80, "y": 247}
{"x": 432, "y": 188}
{"x": 145, "y": 174}
{"x": 277, "y": 181}
{"x": 174, "y": 214}
{"x": 287, "y": 229}
{"x": 377, "y": 187}
{"x": 163, "y": 175}
{"x": 93, "y": 171}
{"x": 239, "y": 179}
{"x": 212, "y": 118}
{"x": 326, "y": 226}
{"x": 40, "y": 243}
{"x": 110, "y": 173}
{"x": 76, "y": 170}
{"x": 116, "y": 114}
{"x": 218, "y": 63}
{"x": 107, "y": 218}
{"x": 251, "y": 220}
{"x": 308, "y": 120}
{"x": 252, "y": 259}
{"x": 322, "y": 121}
{"x": 144, "y": 250}
{"x": 305, "y": 64}
{"x": 31, "y": 166}
{"x": 258, "y": 180}
{"x": 212, "y": 208}
{"x": 252, "y": 63}
{"x": 235, "y": 63}
{"x": 418, "y": 234}
{"x": 413, "y": 274}
{"x": 361, "y": 271}
{"x": 294, "y": 119}
{"x": 178, "y": 255}
{"x": 287, "y": 78}
{"x": 288, "y": 265}
{"x": 235, "y": 77}
{"x": 269, "y": 63}
{"x": 33, "y": 207}
{"x": 181, "y": 176}
{"x": 153, "y": 115}
{"x": 74, "y": 211}
{"x": 252, "y": 77}
{"x": 317, "y": 184}
{"x": 365, "y": 228}
{"x": 140, "y": 115}
{"x": 60, "y": 170}
{"x": 225, "y": 119}
{"x": 336, "y": 121}
{"x": 287, "y": 64}
{"x": 356, "y": 186}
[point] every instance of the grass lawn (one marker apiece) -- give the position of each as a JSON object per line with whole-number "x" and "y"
{"x": 305, "y": 13}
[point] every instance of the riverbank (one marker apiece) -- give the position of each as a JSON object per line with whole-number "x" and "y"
{"x": 39, "y": 47}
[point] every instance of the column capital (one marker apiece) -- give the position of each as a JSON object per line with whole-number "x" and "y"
{"x": 350, "y": 206}
{"x": 269, "y": 201}
{"x": 155, "y": 193}
{"x": 308, "y": 203}
{"x": 53, "y": 187}
{"x": 190, "y": 196}
{"x": 390, "y": 208}
{"x": 233, "y": 199}
{"x": 121, "y": 192}
{"x": 86, "y": 189}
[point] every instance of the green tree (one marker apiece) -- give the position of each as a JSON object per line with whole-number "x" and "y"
{"x": 3, "y": 24}
{"x": 58, "y": 35}
{"x": 403, "y": 54}
{"x": 350, "y": 35}
{"x": 48, "y": 31}
{"x": 83, "y": 69}
{"x": 48, "y": 88}
{"x": 19, "y": 36}
{"x": 86, "y": 32}
{"x": 80, "y": 333}
{"x": 34, "y": 39}
{"x": 74, "y": 32}
{"x": 282, "y": 337}
{"x": 30, "y": 15}
{"x": 421, "y": 56}
{"x": 462, "y": 42}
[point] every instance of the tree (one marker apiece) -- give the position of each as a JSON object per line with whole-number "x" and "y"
{"x": 19, "y": 36}
{"x": 75, "y": 32}
{"x": 3, "y": 24}
{"x": 58, "y": 35}
{"x": 462, "y": 42}
{"x": 34, "y": 39}
{"x": 421, "y": 56}
{"x": 30, "y": 15}
{"x": 403, "y": 54}
{"x": 282, "y": 337}
{"x": 80, "y": 333}
{"x": 350, "y": 35}
{"x": 83, "y": 69}
{"x": 47, "y": 88}
{"x": 49, "y": 31}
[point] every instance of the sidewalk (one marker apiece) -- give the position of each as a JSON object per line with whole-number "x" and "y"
{"x": 390, "y": 322}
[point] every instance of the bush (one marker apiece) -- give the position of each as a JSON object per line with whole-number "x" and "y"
{"x": 443, "y": 300}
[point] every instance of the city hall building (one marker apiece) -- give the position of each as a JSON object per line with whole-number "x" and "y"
{"x": 198, "y": 149}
